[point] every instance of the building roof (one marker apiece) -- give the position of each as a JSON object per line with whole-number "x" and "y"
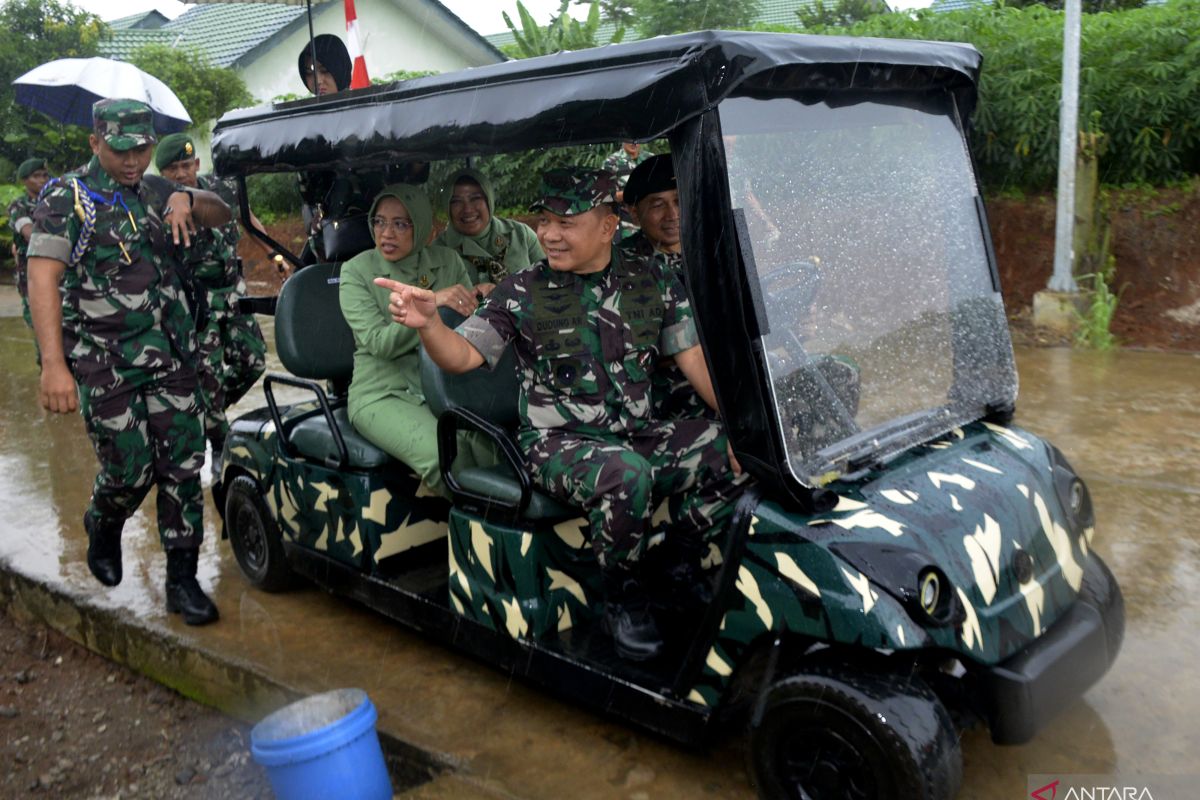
{"x": 957, "y": 5}
{"x": 770, "y": 12}
{"x": 226, "y": 32}
{"x": 146, "y": 20}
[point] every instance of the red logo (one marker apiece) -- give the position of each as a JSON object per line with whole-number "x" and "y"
{"x": 1040, "y": 794}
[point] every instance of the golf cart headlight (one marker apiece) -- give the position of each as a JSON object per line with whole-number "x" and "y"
{"x": 934, "y": 597}
{"x": 931, "y": 592}
{"x": 1076, "y": 498}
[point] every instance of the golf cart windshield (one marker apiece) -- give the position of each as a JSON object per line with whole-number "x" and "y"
{"x": 862, "y": 232}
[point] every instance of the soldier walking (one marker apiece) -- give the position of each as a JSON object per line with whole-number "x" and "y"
{"x": 33, "y": 174}
{"x": 232, "y": 352}
{"x": 118, "y": 343}
{"x": 590, "y": 326}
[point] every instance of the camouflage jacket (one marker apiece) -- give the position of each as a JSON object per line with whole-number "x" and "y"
{"x": 210, "y": 274}
{"x": 586, "y": 345}
{"x": 639, "y": 246}
{"x": 620, "y": 164}
{"x": 20, "y": 214}
{"x": 125, "y": 316}
{"x": 511, "y": 247}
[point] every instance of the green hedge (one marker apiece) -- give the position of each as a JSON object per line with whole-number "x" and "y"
{"x": 1140, "y": 70}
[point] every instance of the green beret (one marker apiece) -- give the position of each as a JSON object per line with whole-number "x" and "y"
{"x": 30, "y": 166}
{"x": 124, "y": 124}
{"x": 176, "y": 147}
{"x": 575, "y": 190}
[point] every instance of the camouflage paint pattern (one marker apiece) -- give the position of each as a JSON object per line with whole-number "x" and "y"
{"x": 361, "y": 518}
{"x": 621, "y": 165}
{"x": 528, "y": 584}
{"x": 965, "y": 504}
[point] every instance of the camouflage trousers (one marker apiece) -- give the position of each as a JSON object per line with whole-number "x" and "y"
{"x": 144, "y": 434}
{"x": 233, "y": 355}
{"x": 245, "y": 353}
{"x": 673, "y": 396}
{"x": 624, "y": 483}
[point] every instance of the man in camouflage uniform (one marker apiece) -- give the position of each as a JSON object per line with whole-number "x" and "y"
{"x": 33, "y": 174}
{"x": 119, "y": 342}
{"x": 232, "y": 350}
{"x": 590, "y": 327}
{"x": 652, "y": 197}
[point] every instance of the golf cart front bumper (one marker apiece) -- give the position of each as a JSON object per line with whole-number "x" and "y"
{"x": 1030, "y": 688}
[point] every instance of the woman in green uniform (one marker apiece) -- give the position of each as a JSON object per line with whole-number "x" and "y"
{"x": 493, "y": 247}
{"x": 386, "y": 404}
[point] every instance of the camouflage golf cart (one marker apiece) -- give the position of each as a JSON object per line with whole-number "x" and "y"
{"x": 906, "y": 562}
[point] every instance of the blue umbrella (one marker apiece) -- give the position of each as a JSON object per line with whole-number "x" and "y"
{"x": 66, "y": 88}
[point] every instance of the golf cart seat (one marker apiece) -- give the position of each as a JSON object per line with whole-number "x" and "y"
{"x": 486, "y": 400}
{"x": 315, "y": 344}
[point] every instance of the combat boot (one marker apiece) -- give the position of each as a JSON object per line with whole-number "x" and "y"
{"x": 184, "y": 595}
{"x": 627, "y": 617}
{"x": 686, "y": 578}
{"x": 104, "y": 548}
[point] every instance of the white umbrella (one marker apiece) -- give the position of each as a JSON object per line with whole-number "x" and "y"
{"x": 66, "y": 88}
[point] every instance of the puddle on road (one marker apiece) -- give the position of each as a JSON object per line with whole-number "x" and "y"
{"x": 1129, "y": 423}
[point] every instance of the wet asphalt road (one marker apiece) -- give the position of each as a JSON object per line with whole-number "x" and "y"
{"x": 1128, "y": 421}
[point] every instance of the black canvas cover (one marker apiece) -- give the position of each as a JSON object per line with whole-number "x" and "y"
{"x": 631, "y": 92}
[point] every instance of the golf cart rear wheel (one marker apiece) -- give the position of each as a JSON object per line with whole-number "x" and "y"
{"x": 834, "y": 734}
{"x": 257, "y": 543}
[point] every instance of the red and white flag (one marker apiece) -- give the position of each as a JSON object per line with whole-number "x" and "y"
{"x": 358, "y": 78}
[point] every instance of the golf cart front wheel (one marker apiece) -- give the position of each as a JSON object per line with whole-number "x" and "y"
{"x": 836, "y": 734}
{"x": 256, "y": 540}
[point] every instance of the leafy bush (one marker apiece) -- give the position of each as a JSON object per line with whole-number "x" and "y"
{"x": 273, "y": 195}
{"x": 516, "y": 176}
{"x": 8, "y": 193}
{"x": 1140, "y": 68}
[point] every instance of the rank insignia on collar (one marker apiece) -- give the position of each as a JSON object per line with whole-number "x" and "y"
{"x": 424, "y": 281}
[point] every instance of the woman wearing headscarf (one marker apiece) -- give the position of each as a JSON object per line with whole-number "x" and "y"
{"x": 492, "y": 246}
{"x": 386, "y": 404}
{"x": 332, "y": 74}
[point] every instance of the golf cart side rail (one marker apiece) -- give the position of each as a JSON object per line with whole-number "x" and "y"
{"x": 603, "y": 94}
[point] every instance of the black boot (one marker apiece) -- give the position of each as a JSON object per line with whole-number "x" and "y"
{"x": 104, "y": 548}
{"x": 686, "y": 579}
{"x": 627, "y": 617}
{"x": 218, "y": 493}
{"x": 184, "y": 595}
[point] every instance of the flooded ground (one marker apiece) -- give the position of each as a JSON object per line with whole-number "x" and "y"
{"x": 1128, "y": 421}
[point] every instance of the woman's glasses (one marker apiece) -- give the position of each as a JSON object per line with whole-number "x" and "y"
{"x": 395, "y": 225}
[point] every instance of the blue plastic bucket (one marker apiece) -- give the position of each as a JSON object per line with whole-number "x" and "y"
{"x": 323, "y": 747}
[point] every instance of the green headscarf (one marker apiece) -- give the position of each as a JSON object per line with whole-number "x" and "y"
{"x": 419, "y": 210}
{"x": 452, "y": 237}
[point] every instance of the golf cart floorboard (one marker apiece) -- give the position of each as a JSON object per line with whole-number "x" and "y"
{"x": 580, "y": 664}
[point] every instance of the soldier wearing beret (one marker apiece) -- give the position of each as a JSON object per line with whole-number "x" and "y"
{"x": 232, "y": 352}
{"x": 590, "y": 326}
{"x": 652, "y": 197}
{"x": 119, "y": 341}
{"x": 33, "y": 174}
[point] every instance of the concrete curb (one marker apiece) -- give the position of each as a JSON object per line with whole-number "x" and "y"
{"x": 225, "y": 683}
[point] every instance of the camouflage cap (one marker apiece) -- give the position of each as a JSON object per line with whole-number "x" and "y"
{"x": 30, "y": 166}
{"x": 124, "y": 124}
{"x": 176, "y": 147}
{"x": 575, "y": 190}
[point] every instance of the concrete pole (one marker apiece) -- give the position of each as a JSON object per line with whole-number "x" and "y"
{"x": 1064, "y": 224}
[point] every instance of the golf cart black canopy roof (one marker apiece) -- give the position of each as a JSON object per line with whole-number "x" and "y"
{"x": 624, "y": 92}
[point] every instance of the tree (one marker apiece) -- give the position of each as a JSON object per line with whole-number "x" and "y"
{"x": 620, "y": 12}
{"x": 659, "y": 17}
{"x": 206, "y": 91}
{"x": 33, "y": 32}
{"x": 563, "y": 33}
{"x": 1087, "y": 6}
{"x": 843, "y": 12}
